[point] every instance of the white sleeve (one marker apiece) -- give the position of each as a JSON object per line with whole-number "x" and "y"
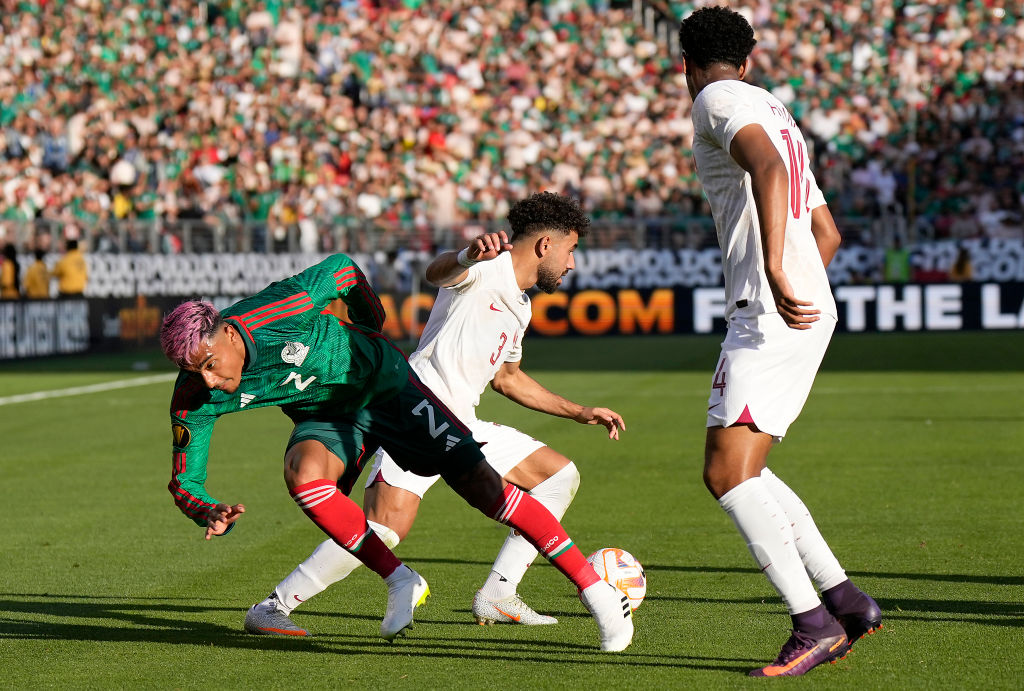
{"x": 814, "y": 196}
{"x": 725, "y": 112}
{"x": 515, "y": 353}
{"x": 471, "y": 280}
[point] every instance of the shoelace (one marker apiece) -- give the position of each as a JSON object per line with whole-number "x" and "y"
{"x": 797, "y": 642}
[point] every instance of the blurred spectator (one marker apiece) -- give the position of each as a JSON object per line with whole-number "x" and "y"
{"x": 306, "y": 118}
{"x": 37, "y": 278}
{"x": 10, "y": 274}
{"x": 961, "y": 270}
{"x": 897, "y": 264}
{"x": 71, "y": 272}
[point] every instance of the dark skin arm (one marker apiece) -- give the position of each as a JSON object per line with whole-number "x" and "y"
{"x": 825, "y": 232}
{"x": 754, "y": 151}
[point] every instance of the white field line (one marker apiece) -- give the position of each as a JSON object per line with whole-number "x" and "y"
{"x": 91, "y": 388}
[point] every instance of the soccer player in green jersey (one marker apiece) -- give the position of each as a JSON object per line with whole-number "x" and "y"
{"x": 348, "y": 389}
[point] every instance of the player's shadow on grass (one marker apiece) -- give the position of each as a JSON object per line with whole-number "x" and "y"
{"x": 169, "y": 620}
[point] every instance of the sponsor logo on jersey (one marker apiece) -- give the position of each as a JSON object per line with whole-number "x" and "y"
{"x": 294, "y": 353}
{"x": 182, "y": 436}
{"x": 450, "y": 442}
{"x": 245, "y": 399}
{"x": 495, "y": 308}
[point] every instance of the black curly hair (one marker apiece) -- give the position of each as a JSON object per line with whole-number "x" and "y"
{"x": 716, "y": 34}
{"x": 546, "y": 211}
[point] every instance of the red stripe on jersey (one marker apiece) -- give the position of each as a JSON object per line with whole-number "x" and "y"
{"x": 258, "y": 312}
{"x": 376, "y": 309}
{"x": 241, "y": 323}
{"x": 278, "y": 307}
{"x": 434, "y": 399}
{"x": 346, "y": 275}
{"x": 275, "y": 318}
{"x": 374, "y": 302}
{"x": 189, "y": 505}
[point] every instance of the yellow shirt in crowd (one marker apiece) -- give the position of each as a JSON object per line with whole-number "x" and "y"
{"x": 71, "y": 273}
{"x": 37, "y": 281}
{"x": 8, "y": 281}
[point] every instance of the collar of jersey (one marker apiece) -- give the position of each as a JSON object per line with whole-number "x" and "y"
{"x": 247, "y": 339}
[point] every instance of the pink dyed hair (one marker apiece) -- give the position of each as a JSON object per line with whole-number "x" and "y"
{"x": 184, "y": 328}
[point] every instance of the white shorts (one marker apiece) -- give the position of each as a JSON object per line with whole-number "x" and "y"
{"x": 504, "y": 448}
{"x": 765, "y": 372}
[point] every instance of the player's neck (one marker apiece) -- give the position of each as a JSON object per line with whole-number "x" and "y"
{"x": 524, "y": 265}
{"x": 718, "y": 72}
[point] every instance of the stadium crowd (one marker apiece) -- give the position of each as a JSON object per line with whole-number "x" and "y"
{"x": 421, "y": 113}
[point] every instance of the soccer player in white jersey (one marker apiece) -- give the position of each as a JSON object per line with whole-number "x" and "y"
{"x": 473, "y": 338}
{"x": 777, "y": 236}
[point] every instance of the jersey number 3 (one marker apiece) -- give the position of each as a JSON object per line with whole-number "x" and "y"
{"x": 495, "y": 356}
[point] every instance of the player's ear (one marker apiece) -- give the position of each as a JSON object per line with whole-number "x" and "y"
{"x": 542, "y": 245}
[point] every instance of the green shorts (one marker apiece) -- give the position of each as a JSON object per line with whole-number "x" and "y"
{"x": 414, "y": 427}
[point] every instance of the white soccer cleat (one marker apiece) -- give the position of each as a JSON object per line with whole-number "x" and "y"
{"x": 265, "y": 619}
{"x": 404, "y": 596}
{"x": 610, "y": 607}
{"x": 510, "y": 610}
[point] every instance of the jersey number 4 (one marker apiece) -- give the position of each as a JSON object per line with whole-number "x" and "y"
{"x": 718, "y": 381}
{"x": 797, "y": 184}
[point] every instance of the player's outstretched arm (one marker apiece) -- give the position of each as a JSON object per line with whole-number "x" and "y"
{"x": 221, "y": 517}
{"x": 516, "y": 385}
{"x": 451, "y": 267}
{"x": 754, "y": 151}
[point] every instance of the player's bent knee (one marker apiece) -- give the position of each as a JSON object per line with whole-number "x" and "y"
{"x": 310, "y": 460}
{"x": 479, "y": 485}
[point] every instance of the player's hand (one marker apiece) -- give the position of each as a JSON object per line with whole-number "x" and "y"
{"x": 798, "y": 314}
{"x": 602, "y": 416}
{"x": 488, "y": 246}
{"x": 220, "y": 517}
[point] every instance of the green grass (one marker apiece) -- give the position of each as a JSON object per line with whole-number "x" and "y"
{"x": 908, "y": 453}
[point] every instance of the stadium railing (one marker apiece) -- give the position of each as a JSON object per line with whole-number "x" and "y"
{"x": 195, "y": 236}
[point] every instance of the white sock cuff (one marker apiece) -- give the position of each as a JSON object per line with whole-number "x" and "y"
{"x": 388, "y": 536}
{"x": 741, "y": 491}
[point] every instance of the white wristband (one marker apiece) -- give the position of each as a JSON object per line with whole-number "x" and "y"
{"x": 464, "y": 260}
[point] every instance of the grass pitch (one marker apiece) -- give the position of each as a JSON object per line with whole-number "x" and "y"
{"x": 908, "y": 454}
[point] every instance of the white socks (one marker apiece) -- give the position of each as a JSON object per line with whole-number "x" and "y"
{"x": 820, "y": 563}
{"x": 329, "y": 563}
{"x": 765, "y": 527}
{"x": 516, "y": 555}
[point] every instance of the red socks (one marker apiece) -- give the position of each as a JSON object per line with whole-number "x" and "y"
{"x": 343, "y": 520}
{"x": 518, "y": 509}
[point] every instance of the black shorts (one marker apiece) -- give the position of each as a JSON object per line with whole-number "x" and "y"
{"x": 414, "y": 427}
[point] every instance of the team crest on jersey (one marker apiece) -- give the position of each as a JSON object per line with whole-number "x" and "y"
{"x": 181, "y": 435}
{"x": 294, "y": 353}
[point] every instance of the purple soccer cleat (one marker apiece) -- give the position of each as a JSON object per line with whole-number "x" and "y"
{"x": 863, "y": 618}
{"x": 802, "y": 653}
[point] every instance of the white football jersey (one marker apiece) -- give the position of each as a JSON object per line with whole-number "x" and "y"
{"x": 721, "y": 110}
{"x": 474, "y": 327}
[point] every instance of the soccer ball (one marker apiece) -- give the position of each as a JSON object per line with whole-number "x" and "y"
{"x": 621, "y": 569}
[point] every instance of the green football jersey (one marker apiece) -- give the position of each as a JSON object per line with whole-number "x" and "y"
{"x": 299, "y": 356}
